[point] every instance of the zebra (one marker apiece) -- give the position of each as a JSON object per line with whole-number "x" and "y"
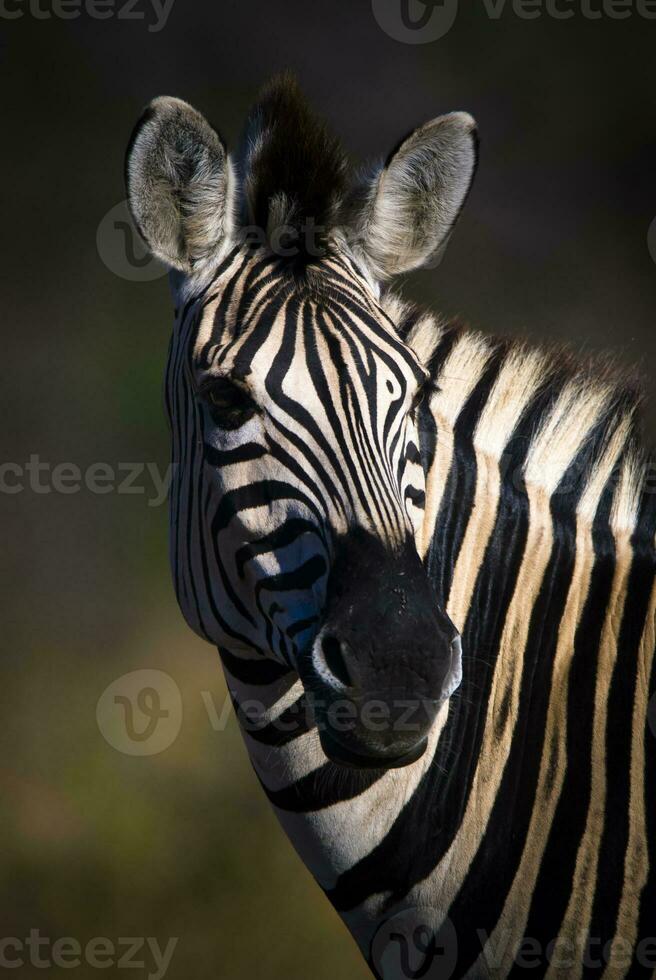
{"x": 426, "y": 555}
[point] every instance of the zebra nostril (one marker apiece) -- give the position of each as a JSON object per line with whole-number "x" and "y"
{"x": 334, "y": 657}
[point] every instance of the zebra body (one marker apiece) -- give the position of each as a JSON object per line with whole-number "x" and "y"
{"x": 518, "y": 833}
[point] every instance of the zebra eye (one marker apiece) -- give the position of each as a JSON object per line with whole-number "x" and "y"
{"x": 230, "y": 404}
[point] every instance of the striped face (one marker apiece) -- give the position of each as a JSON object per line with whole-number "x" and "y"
{"x": 296, "y": 461}
{"x": 292, "y": 410}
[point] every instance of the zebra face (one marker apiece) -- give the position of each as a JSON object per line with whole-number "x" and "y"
{"x": 298, "y": 492}
{"x": 293, "y": 399}
{"x": 302, "y": 403}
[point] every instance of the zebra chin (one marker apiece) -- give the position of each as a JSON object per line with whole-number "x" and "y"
{"x": 384, "y": 661}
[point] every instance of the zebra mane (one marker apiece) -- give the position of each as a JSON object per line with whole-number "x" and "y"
{"x": 295, "y": 170}
{"x": 580, "y": 417}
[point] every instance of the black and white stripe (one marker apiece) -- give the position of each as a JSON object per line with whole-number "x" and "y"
{"x": 340, "y": 453}
{"x": 395, "y": 480}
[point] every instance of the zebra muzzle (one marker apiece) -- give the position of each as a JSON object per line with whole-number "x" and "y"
{"x": 384, "y": 661}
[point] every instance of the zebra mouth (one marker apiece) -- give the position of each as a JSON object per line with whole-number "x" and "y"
{"x": 343, "y": 756}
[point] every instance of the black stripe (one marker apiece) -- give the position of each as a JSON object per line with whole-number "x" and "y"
{"x": 286, "y": 728}
{"x": 553, "y": 887}
{"x": 265, "y": 492}
{"x": 287, "y": 533}
{"x": 439, "y": 356}
{"x": 645, "y": 573}
{"x": 188, "y": 422}
{"x": 326, "y": 786}
{"x": 298, "y": 579}
{"x": 257, "y": 672}
{"x": 458, "y": 499}
{"x": 245, "y": 453}
{"x": 418, "y": 497}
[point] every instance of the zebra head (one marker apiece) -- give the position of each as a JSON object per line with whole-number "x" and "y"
{"x": 294, "y": 395}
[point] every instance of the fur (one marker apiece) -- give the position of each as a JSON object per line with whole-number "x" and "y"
{"x": 178, "y": 179}
{"x": 593, "y": 414}
{"x": 296, "y": 193}
{"x": 295, "y": 171}
{"x": 404, "y": 213}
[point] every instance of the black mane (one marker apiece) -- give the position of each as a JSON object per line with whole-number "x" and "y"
{"x": 295, "y": 170}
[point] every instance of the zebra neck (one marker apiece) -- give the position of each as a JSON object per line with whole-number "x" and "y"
{"x": 539, "y": 538}
{"x": 517, "y": 437}
{"x": 333, "y": 816}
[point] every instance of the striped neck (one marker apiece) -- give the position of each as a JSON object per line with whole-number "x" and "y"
{"x": 539, "y": 537}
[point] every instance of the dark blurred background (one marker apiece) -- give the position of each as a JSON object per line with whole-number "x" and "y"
{"x": 554, "y": 245}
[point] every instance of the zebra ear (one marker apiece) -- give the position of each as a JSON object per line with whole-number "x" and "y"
{"x": 177, "y": 175}
{"x": 408, "y": 209}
